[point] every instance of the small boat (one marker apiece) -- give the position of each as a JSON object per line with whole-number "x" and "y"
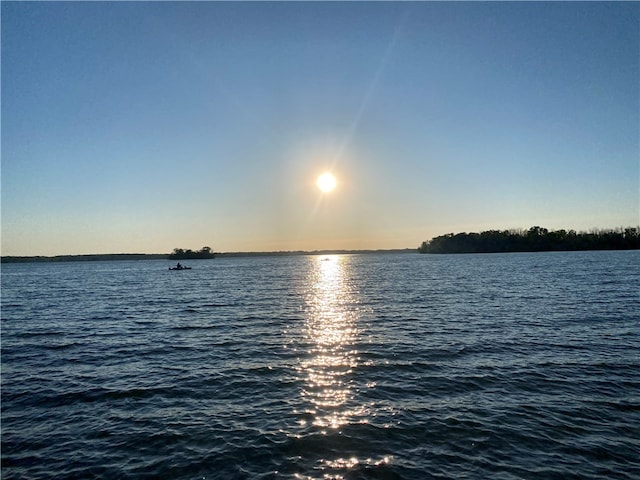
{"x": 179, "y": 267}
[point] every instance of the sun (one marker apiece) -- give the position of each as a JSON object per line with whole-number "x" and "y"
{"x": 326, "y": 182}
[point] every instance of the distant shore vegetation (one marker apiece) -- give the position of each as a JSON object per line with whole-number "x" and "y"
{"x": 181, "y": 254}
{"x": 177, "y": 254}
{"x": 94, "y": 257}
{"x": 536, "y": 239}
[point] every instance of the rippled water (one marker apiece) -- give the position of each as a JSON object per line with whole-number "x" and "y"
{"x": 363, "y": 366}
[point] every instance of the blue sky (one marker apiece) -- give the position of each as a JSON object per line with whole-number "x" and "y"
{"x": 140, "y": 127}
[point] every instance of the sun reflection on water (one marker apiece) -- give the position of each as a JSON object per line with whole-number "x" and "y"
{"x": 331, "y": 333}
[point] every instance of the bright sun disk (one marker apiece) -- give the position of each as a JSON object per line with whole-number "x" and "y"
{"x": 326, "y": 182}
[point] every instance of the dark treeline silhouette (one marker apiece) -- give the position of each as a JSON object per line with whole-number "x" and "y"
{"x": 180, "y": 254}
{"x": 536, "y": 239}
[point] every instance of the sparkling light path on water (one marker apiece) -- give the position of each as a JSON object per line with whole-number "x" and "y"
{"x": 332, "y": 333}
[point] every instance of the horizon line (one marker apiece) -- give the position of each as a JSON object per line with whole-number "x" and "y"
{"x": 233, "y": 253}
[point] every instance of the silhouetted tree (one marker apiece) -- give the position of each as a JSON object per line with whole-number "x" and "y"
{"x": 181, "y": 254}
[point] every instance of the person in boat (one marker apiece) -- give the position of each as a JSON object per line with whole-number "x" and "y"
{"x": 178, "y": 266}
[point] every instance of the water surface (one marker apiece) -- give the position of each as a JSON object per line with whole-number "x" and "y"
{"x": 404, "y": 366}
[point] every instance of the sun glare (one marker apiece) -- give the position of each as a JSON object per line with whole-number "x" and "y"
{"x": 326, "y": 182}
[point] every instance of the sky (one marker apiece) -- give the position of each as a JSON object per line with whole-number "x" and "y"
{"x": 140, "y": 127}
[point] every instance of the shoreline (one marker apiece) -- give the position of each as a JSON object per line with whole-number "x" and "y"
{"x": 106, "y": 257}
{"x": 99, "y": 257}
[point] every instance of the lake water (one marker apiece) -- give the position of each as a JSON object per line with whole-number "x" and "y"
{"x": 385, "y": 366}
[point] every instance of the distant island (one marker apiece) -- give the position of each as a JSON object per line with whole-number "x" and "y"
{"x": 181, "y": 254}
{"x": 536, "y": 239}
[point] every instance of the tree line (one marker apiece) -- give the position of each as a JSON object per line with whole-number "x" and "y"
{"x": 188, "y": 254}
{"x": 536, "y": 239}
